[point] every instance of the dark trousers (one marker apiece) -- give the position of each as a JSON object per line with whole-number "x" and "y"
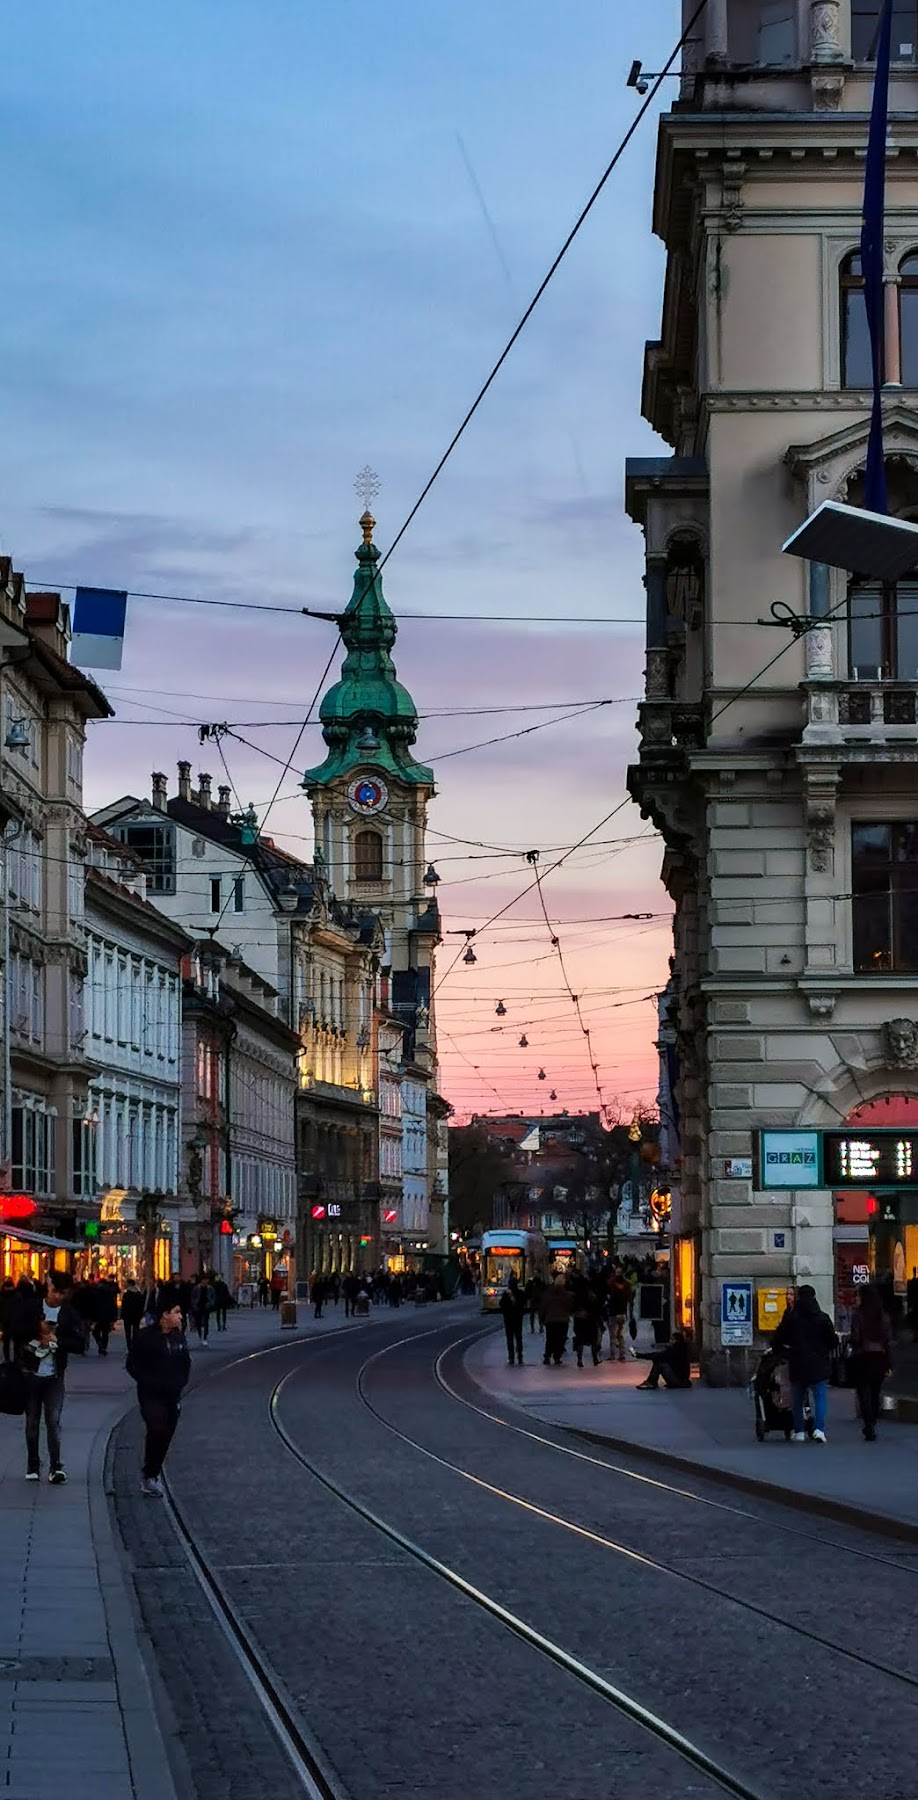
{"x": 661, "y": 1365}
{"x": 130, "y": 1331}
{"x": 45, "y": 1396}
{"x": 317, "y": 1307}
{"x": 220, "y": 1316}
{"x": 7, "y": 1346}
{"x": 870, "y": 1373}
{"x": 160, "y": 1417}
{"x": 275, "y": 1298}
{"x": 202, "y": 1323}
{"x": 513, "y": 1331}
{"x": 101, "y": 1332}
{"x": 555, "y": 1339}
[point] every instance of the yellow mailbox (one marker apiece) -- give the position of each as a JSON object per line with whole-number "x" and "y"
{"x": 770, "y": 1304}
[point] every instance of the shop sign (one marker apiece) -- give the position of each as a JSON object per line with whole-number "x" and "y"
{"x": 860, "y": 1275}
{"x": 790, "y": 1159}
{"x": 390, "y": 1215}
{"x": 334, "y": 1211}
{"x": 111, "y": 1212}
{"x": 318, "y": 1212}
{"x": 736, "y": 1313}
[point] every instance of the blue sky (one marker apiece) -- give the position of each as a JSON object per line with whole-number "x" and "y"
{"x": 245, "y": 255}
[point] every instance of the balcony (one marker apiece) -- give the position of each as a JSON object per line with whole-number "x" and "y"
{"x": 863, "y": 716}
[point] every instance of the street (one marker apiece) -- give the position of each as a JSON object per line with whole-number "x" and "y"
{"x": 322, "y": 1482}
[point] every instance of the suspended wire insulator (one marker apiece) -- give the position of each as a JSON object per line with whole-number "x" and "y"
{"x": 470, "y": 956}
{"x": 552, "y": 1095}
{"x": 500, "y": 1009}
{"x": 524, "y": 1042}
{"x": 542, "y": 1076}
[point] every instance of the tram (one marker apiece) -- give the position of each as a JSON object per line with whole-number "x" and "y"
{"x": 506, "y": 1253}
{"x": 565, "y": 1255}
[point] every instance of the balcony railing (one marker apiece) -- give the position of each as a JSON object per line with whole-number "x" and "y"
{"x": 867, "y": 712}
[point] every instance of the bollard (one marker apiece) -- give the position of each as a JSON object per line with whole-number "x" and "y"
{"x": 287, "y": 1314}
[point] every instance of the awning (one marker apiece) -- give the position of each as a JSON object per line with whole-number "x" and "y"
{"x": 37, "y": 1237}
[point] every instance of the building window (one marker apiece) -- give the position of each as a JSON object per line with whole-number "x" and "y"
{"x": 155, "y": 845}
{"x": 865, "y": 29}
{"x": 368, "y": 856}
{"x": 239, "y": 894}
{"x": 33, "y": 1150}
{"x": 908, "y": 321}
{"x": 884, "y": 888}
{"x": 215, "y": 893}
{"x": 857, "y": 363}
{"x": 883, "y": 631}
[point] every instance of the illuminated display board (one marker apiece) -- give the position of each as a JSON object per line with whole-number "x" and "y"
{"x": 870, "y": 1159}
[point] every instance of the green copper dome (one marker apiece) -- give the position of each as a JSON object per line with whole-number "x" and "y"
{"x": 368, "y": 718}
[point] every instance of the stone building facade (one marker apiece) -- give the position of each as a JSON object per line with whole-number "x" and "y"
{"x": 780, "y": 769}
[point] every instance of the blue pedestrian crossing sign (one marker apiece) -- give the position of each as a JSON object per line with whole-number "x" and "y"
{"x": 736, "y": 1312}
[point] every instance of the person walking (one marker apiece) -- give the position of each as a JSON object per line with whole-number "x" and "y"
{"x": 160, "y": 1364}
{"x": 105, "y": 1312}
{"x": 221, "y": 1302}
{"x": 617, "y": 1305}
{"x": 587, "y": 1320}
{"x": 7, "y": 1299}
{"x": 556, "y": 1312}
{"x": 202, "y": 1303}
{"x": 513, "y": 1310}
{"x": 807, "y": 1334}
{"x": 278, "y": 1288}
{"x": 871, "y": 1336}
{"x": 317, "y": 1296}
{"x": 47, "y": 1331}
{"x": 533, "y": 1291}
{"x": 132, "y": 1310}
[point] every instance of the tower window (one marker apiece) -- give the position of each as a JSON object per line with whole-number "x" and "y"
{"x": 368, "y": 856}
{"x": 857, "y": 364}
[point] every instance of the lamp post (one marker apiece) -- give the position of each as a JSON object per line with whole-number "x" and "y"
{"x": 634, "y": 1139}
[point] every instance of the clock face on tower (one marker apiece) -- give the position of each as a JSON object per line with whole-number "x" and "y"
{"x": 367, "y": 795}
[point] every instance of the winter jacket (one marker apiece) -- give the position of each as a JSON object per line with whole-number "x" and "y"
{"x": 556, "y": 1305}
{"x": 807, "y": 1334}
{"x": 512, "y": 1303}
{"x": 133, "y": 1306}
{"x": 69, "y": 1331}
{"x": 872, "y": 1337}
{"x": 159, "y": 1362}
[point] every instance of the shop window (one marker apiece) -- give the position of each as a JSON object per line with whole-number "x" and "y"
{"x": 368, "y": 856}
{"x": 856, "y": 359}
{"x": 884, "y": 902}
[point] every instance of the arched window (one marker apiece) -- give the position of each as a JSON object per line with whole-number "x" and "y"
{"x": 368, "y": 856}
{"x": 908, "y": 320}
{"x": 856, "y": 362}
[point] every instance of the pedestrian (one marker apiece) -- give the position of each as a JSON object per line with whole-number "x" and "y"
{"x": 264, "y": 1290}
{"x": 807, "y": 1334}
{"x": 672, "y": 1361}
{"x": 587, "y": 1320}
{"x": 278, "y": 1286}
{"x": 911, "y": 1303}
{"x": 317, "y": 1296}
{"x": 617, "y": 1306}
{"x": 202, "y": 1303}
{"x": 105, "y": 1312}
{"x": 513, "y": 1309}
{"x": 7, "y": 1298}
{"x": 533, "y": 1291}
{"x": 350, "y": 1287}
{"x": 556, "y": 1312}
{"x": 133, "y": 1306}
{"x": 871, "y": 1335}
{"x": 221, "y": 1302}
{"x": 47, "y": 1332}
{"x": 160, "y": 1364}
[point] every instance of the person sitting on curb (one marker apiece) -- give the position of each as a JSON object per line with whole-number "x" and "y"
{"x": 672, "y": 1361}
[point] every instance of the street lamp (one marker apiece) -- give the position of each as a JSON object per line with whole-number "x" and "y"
{"x": 634, "y": 1139}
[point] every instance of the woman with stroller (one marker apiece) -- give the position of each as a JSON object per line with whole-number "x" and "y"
{"x": 807, "y": 1334}
{"x": 871, "y": 1335}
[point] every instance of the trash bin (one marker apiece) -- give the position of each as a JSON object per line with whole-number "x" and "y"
{"x": 287, "y": 1313}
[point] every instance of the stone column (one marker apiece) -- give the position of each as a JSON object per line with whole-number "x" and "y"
{"x": 825, "y": 31}
{"x": 893, "y": 350}
{"x": 716, "y": 31}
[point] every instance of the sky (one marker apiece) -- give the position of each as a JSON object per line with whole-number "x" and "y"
{"x": 251, "y": 249}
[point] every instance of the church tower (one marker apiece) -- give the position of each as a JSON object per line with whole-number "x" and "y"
{"x": 370, "y": 796}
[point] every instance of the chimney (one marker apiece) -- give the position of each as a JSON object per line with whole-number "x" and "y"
{"x": 184, "y": 781}
{"x": 160, "y": 792}
{"x": 204, "y": 796}
{"x": 223, "y": 802}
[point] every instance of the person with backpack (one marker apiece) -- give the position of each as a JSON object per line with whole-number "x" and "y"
{"x": 808, "y": 1337}
{"x": 160, "y": 1364}
{"x": 47, "y": 1331}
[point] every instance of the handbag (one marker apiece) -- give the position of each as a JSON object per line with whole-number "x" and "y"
{"x": 13, "y": 1389}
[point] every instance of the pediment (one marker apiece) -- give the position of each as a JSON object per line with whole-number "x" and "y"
{"x": 828, "y": 463}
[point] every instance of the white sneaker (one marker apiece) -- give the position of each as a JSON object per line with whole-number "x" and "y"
{"x": 798, "y": 1437}
{"x": 819, "y": 1437}
{"x": 151, "y": 1487}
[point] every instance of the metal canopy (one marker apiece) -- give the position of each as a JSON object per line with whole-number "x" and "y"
{"x": 10, "y": 1230}
{"x": 865, "y": 543}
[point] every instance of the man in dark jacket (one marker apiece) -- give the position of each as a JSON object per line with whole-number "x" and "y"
{"x": 556, "y": 1312}
{"x": 160, "y": 1364}
{"x": 807, "y": 1336}
{"x": 106, "y": 1312}
{"x": 47, "y": 1330}
{"x": 132, "y": 1311}
{"x": 513, "y": 1309}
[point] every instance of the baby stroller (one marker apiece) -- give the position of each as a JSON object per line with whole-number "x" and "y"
{"x": 771, "y": 1412}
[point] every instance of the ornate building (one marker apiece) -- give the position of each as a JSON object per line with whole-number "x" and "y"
{"x": 780, "y": 769}
{"x": 369, "y": 802}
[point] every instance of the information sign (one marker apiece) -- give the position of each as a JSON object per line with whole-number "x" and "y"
{"x": 736, "y": 1312}
{"x": 789, "y": 1159}
{"x": 870, "y": 1159}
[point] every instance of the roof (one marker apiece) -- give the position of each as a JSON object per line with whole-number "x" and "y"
{"x": 151, "y": 915}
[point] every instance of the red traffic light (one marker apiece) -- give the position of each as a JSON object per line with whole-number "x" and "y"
{"x": 226, "y": 1229}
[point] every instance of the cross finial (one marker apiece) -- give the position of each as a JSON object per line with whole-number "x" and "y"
{"x": 366, "y": 486}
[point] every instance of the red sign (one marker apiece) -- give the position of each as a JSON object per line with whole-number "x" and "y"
{"x": 318, "y": 1212}
{"x": 226, "y": 1229}
{"x": 390, "y": 1216}
{"x": 17, "y": 1206}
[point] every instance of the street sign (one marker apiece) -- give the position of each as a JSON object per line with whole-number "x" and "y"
{"x": 738, "y": 1168}
{"x": 789, "y": 1159}
{"x": 736, "y": 1312}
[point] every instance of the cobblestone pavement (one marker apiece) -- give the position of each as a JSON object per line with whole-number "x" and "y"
{"x": 410, "y": 1688}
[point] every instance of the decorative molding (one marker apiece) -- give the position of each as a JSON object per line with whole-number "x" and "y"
{"x": 827, "y": 91}
{"x": 822, "y": 1006}
{"x": 900, "y": 1042}
{"x": 820, "y": 839}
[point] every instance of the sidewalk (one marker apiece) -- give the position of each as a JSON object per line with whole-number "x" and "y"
{"x": 710, "y": 1431}
{"x": 76, "y": 1709}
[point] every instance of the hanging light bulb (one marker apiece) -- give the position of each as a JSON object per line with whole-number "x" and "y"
{"x": 431, "y": 878}
{"x": 470, "y": 956}
{"x": 542, "y": 1075}
{"x": 524, "y": 1042}
{"x": 500, "y": 1009}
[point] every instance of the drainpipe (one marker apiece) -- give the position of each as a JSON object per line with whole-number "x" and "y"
{"x": 10, "y": 835}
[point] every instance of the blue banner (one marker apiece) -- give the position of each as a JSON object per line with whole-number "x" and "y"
{"x": 875, "y": 495}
